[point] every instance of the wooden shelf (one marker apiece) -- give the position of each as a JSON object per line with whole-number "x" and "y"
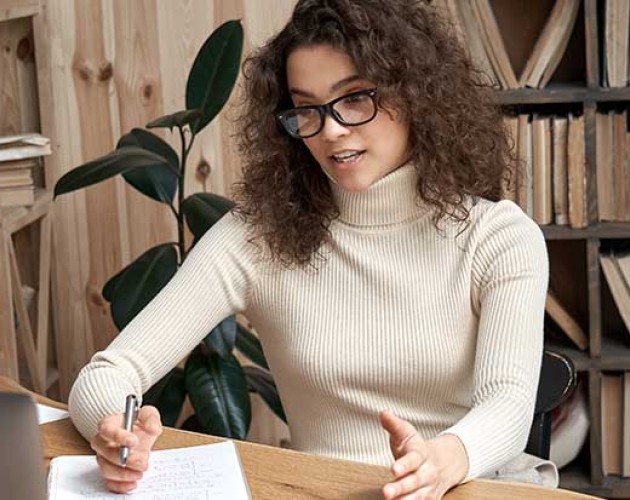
{"x": 601, "y": 230}
{"x": 563, "y": 94}
{"x": 615, "y": 355}
{"x": 580, "y": 359}
{"x": 14, "y": 9}
{"x": 573, "y": 477}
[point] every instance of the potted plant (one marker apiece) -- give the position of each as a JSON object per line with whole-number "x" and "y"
{"x": 216, "y": 383}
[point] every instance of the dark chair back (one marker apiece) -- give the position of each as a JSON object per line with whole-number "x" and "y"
{"x": 557, "y": 381}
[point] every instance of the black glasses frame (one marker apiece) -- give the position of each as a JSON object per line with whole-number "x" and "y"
{"x": 327, "y": 109}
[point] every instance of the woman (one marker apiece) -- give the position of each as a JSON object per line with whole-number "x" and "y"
{"x": 399, "y": 302}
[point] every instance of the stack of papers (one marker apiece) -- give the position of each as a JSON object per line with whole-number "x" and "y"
{"x": 49, "y": 414}
{"x": 196, "y": 473}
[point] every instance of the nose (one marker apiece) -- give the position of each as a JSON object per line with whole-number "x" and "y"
{"x": 333, "y": 130}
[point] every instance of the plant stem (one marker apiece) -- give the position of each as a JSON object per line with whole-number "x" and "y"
{"x": 180, "y": 193}
{"x": 180, "y": 199}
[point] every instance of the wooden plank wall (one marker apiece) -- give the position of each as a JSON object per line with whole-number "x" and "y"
{"x": 102, "y": 68}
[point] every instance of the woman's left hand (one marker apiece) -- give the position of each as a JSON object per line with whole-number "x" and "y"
{"x": 422, "y": 469}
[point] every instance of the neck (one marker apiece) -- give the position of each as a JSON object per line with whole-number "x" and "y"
{"x": 390, "y": 200}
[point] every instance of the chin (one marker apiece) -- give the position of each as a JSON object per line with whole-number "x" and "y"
{"x": 354, "y": 185}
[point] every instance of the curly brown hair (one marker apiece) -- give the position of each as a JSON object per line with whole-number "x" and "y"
{"x": 458, "y": 142}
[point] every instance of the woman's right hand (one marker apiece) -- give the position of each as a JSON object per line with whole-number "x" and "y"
{"x": 112, "y": 435}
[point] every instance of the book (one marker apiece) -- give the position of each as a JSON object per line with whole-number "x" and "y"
{"x": 572, "y": 329}
{"x": 560, "y": 127}
{"x": 28, "y": 163}
{"x": 207, "y": 471}
{"x": 16, "y": 178}
{"x": 551, "y": 44}
{"x": 510, "y": 188}
{"x": 19, "y": 147}
{"x": 617, "y": 14}
{"x": 468, "y": 30}
{"x": 493, "y": 44}
{"x": 576, "y": 167}
{"x": 611, "y": 423}
{"x": 619, "y": 287}
{"x": 524, "y": 160}
{"x": 19, "y": 196}
{"x": 620, "y": 176}
{"x": 541, "y": 169}
{"x": 604, "y": 166}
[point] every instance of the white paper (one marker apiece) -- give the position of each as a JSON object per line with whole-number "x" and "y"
{"x": 20, "y": 147}
{"x": 24, "y": 139}
{"x": 49, "y": 414}
{"x": 198, "y": 473}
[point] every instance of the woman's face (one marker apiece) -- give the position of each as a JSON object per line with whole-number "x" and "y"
{"x": 318, "y": 74}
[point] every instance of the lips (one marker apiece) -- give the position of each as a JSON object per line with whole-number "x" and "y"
{"x": 347, "y": 156}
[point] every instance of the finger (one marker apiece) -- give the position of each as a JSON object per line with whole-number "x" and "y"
{"x": 138, "y": 458}
{"x": 111, "y": 430}
{"x": 103, "y": 446}
{"x": 113, "y": 472}
{"x": 408, "y": 484}
{"x": 410, "y": 462}
{"x": 149, "y": 421}
{"x": 396, "y": 426}
{"x": 118, "y": 487}
{"x": 426, "y": 493}
{"x": 99, "y": 444}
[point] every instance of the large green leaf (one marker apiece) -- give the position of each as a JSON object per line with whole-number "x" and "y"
{"x": 121, "y": 160}
{"x": 261, "y": 381}
{"x": 218, "y": 392}
{"x": 250, "y": 346}
{"x": 141, "y": 281}
{"x": 178, "y": 119}
{"x": 214, "y": 72}
{"x": 110, "y": 286}
{"x": 222, "y": 337}
{"x": 168, "y": 396}
{"x": 203, "y": 210}
{"x": 158, "y": 182}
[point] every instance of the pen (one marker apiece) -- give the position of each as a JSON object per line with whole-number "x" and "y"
{"x": 131, "y": 412}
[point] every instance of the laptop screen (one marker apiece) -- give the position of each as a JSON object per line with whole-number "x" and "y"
{"x": 22, "y": 473}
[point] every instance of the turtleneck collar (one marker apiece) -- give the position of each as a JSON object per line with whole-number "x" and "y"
{"x": 389, "y": 200}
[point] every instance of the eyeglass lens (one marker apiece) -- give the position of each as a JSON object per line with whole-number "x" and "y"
{"x": 353, "y": 109}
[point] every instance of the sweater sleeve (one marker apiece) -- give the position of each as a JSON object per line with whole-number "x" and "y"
{"x": 510, "y": 276}
{"x": 214, "y": 282}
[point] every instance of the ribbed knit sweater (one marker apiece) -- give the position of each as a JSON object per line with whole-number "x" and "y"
{"x": 442, "y": 327}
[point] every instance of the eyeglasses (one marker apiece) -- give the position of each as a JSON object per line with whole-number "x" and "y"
{"x": 356, "y": 108}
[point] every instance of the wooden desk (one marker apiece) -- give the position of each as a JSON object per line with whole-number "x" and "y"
{"x": 275, "y": 473}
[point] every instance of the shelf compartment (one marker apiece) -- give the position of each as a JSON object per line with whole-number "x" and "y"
{"x": 563, "y": 94}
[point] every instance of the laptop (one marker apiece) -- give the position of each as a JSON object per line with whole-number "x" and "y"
{"x": 22, "y": 473}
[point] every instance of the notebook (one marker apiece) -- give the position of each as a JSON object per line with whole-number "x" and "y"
{"x": 21, "y": 456}
{"x": 196, "y": 473}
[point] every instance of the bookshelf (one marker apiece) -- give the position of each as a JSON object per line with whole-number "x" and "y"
{"x": 574, "y": 253}
{"x": 27, "y": 344}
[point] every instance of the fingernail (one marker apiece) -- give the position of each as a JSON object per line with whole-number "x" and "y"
{"x": 398, "y": 469}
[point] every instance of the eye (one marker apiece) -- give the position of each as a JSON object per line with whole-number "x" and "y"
{"x": 356, "y": 98}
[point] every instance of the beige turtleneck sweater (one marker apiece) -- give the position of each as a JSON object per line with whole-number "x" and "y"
{"x": 443, "y": 328}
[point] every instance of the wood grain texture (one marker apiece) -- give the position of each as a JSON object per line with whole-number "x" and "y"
{"x": 55, "y": 48}
{"x": 274, "y": 473}
{"x": 16, "y": 71}
{"x": 139, "y": 88}
{"x": 16, "y": 9}
{"x": 91, "y": 76}
{"x": 8, "y": 346}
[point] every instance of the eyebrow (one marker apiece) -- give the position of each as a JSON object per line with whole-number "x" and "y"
{"x": 333, "y": 88}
